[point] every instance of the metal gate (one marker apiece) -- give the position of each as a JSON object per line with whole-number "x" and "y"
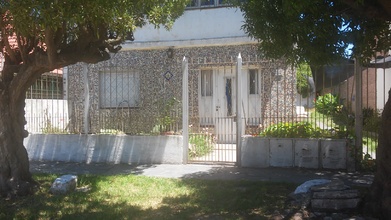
{"x": 213, "y": 128}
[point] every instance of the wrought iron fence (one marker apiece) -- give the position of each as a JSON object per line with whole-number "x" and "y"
{"x": 274, "y": 106}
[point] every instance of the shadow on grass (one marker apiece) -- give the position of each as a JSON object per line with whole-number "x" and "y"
{"x": 140, "y": 197}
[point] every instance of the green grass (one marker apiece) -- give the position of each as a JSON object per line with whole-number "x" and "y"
{"x": 140, "y": 197}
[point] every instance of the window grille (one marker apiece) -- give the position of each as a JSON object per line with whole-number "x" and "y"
{"x": 119, "y": 89}
{"x": 47, "y": 86}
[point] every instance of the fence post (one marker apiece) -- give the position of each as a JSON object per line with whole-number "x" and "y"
{"x": 185, "y": 109}
{"x": 86, "y": 98}
{"x": 358, "y": 112}
{"x": 238, "y": 109}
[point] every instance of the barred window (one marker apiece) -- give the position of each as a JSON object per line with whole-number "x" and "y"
{"x": 119, "y": 89}
{"x": 47, "y": 86}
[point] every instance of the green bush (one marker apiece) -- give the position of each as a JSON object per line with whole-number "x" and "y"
{"x": 292, "y": 130}
{"x": 301, "y": 130}
{"x": 371, "y": 119}
{"x": 302, "y": 74}
{"x": 327, "y": 104}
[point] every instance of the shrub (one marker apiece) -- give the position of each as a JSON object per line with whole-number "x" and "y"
{"x": 327, "y": 104}
{"x": 301, "y": 130}
{"x": 302, "y": 85}
{"x": 292, "y": 130}
{"x": 371, "y": 119}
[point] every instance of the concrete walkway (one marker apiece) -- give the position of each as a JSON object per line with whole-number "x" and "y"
{"x": 293, "y": 175}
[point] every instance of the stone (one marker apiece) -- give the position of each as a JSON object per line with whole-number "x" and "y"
{"x": 64, "y": 184}
{"x": 335, "y": 185}
{"x": 334, "y": 204}
{"x": 344, "y": 194}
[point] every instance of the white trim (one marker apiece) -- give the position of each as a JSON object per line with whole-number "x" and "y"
{"x": 188, "y": 43}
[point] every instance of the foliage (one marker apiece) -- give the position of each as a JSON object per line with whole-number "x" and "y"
{"x": 292, "y": 130}
{"x": 327, "y": 104}
{"x": 200, "y": 145}
{"x": 59, "y": 33}
{"x": 141, "y": 197}
{"x": 371, "y": 120}
{"x": 316, "y": 32}
{"x": 368, "y": 163}
{"x": 302, "y": 85}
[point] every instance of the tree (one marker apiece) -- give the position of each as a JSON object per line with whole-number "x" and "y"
{"x": 38, "y": 36}
{"x": 321, "y": 32}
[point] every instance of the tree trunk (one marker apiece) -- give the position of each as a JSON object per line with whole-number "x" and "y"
{"x": 380, "y": 193}
{"x": 15, "y": 176}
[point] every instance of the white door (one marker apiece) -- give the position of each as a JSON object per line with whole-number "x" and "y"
{"x": 225, "y": 105}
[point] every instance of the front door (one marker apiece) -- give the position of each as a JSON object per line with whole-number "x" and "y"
{"x": 225, "y": 103}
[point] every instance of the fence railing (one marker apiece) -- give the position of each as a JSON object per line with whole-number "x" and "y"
{"x": 327, "y": 109}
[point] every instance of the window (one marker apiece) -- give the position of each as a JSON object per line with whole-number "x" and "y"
{"x": 206, "y": 82}
{"x": 119, "y": 89}
{"x": 205, "y": 3}
{"x": 254, "y": 82}
{"x": 48, "y": 86}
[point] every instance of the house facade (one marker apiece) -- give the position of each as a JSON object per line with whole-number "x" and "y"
{"x": 139, "y": 90}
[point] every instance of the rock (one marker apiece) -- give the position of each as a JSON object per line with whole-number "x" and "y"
{"x": 343, "y": 194}
{"x": 335, "y": 185}
{"x": 334, "y": 196}
{"x": 64, "y": 184}
{"x": 334, "y": 204}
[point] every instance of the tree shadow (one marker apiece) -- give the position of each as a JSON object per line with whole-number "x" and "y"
{"x": 201, "y": 199}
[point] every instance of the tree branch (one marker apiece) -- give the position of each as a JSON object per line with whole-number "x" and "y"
{"x": 51, "y": 50}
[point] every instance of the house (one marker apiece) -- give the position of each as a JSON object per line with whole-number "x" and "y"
{"x": 139, "y": 90}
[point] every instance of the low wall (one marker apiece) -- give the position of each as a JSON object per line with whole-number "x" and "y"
{"x": 285, "y": 152}
{"x": 105, "y": 148}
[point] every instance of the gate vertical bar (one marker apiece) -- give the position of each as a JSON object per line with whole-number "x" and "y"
{"x": 358, "y": 115}
{"x": 185, "y": 109}
{"x": 238, "y": 109}
{"x": 86, "y": 98}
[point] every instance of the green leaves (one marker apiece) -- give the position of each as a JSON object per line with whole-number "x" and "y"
{"x": 31, "y": 18}
{"x": 314, "y": 31}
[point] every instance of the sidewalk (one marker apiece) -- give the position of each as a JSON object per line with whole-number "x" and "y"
{"x": 293, "y": 175}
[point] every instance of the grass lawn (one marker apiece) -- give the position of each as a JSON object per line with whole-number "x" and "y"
{"x": 140, "y": 197}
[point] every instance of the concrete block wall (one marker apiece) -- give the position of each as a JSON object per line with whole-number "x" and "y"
{"x": 105, "y": 148}
{"x": 286, "y": 152}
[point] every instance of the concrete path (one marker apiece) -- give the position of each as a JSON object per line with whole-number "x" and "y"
{"x": 200, "y": 171}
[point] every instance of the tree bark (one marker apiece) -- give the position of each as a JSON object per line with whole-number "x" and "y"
{"x": 380, "y": 194}
{"x": 15, "y": 176}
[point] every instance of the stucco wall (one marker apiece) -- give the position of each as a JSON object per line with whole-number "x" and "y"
{"x": 105, "y": 148}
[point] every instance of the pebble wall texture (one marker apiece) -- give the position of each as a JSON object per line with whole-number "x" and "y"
{"x": 160, "y": 90}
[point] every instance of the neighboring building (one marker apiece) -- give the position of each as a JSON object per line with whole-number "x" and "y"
{"x": 139, "y": 90}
